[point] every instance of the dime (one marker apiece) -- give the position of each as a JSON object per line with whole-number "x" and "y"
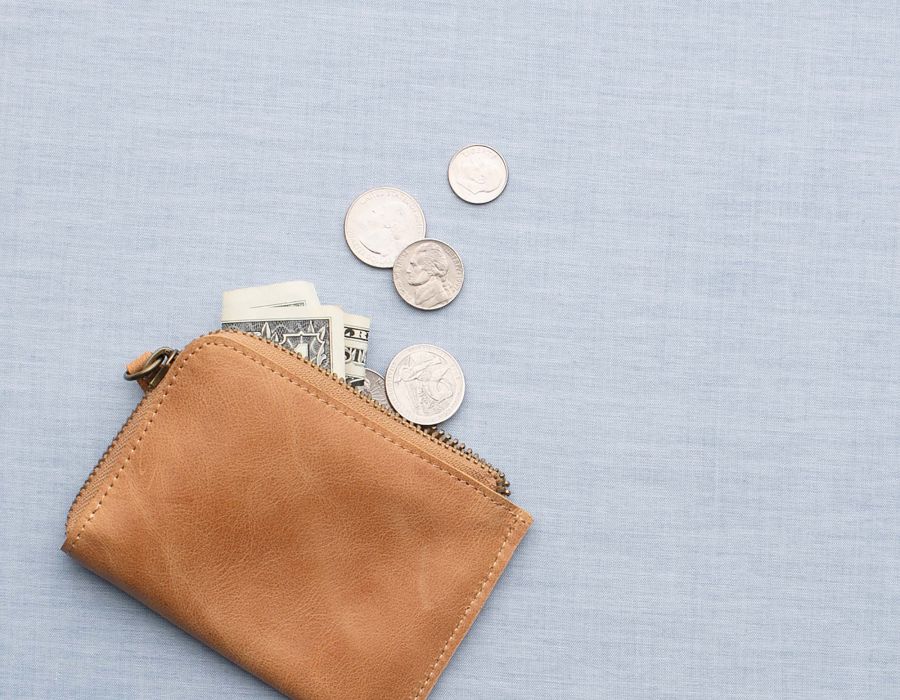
{"x": 477, "y": 174}
{"x": 374, "y": 388}
{"x": 428, "y": 274}
{"x": 425, "y": 384}
{"x": 382, "y": 222}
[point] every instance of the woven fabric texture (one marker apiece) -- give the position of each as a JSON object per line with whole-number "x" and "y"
{"x": 680, "y": 326}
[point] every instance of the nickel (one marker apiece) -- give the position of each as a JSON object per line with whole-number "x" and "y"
{"x": 428, "y": 274}
{"x": 477, "y": 174}
{"x": 425, "y": 384}
{"x": 382, "y": 222}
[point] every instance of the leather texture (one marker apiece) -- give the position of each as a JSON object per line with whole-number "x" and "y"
{"x": 271, "y": 512}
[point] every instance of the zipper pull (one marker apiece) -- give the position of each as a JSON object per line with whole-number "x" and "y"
{"x": 149, "y": 369}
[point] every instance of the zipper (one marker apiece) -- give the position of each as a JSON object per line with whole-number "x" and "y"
{"x": 445, "y": 438}
{"x": 437, "y": 435}
{"x": 157, "y": 365}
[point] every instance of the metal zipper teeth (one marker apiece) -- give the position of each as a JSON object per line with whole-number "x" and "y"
{"x": 447, "y": 439}
{"x": 433, "y": 433}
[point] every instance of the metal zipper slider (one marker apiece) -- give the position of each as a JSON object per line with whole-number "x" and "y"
{"x": 151, "y": 371}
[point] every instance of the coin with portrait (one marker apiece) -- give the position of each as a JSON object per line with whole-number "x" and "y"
{"x": 428, "y": 274}
{"x": 382, "y": 222}
{"x": 425, "y": 384}
{"x": 477, "y": 174}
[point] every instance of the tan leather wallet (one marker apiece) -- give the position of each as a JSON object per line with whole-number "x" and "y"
{"x": 316, "y": 539}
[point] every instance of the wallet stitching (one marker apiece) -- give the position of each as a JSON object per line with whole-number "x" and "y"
{"x": 365, "y": 424}
{"x": 433, "y": 669}
{"x": 127, "y": 460}
{"x": 309, "y": 391}
{"x": 517, "y": 519}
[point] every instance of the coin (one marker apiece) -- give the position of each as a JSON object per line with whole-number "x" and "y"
{"x": 374, "y": 388}
{"x": 382, "y": 222}
{"x": 477, "y": 174}
{"x": 428, "y": 274}
{"x": 425, "y": 384}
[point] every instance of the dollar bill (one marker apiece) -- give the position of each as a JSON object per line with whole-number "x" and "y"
{"x": 250, "y": 300}
{"x": 356, "y": 345}
{"x": 314, "y": 332}
{"x": 289, "y": 313}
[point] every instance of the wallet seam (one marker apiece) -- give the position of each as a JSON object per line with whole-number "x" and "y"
{"x": 516, "y": 518}
{"x": 125, "y": 463}
{"x": 367, "y": 425}
{"x": 434, "y": 667}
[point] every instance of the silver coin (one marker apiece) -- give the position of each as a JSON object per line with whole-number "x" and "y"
{"x": 478, "y": 174}
{"x": 428, "y": 274}
{"x": 374, "y": 388}
{"x": 425, "y": 384}
{"x": 382, "y": 222}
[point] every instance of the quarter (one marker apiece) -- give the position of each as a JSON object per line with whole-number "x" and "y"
{"x": 425, "y": 384}
{"x": 428, "y": 274}
{"x": 477, "y": 174}
{"x": 382, "y": 222}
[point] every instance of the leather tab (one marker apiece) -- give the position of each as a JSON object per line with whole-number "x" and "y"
{"x": 136, "y": 365}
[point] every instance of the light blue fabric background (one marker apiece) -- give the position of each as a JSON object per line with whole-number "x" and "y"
{"x": 680, "y": 326}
